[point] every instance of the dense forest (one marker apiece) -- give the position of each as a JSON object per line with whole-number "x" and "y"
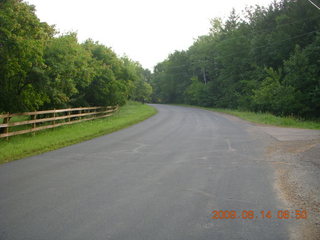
{"x": 266, "y": 59}
{"x": 41, "y": 69}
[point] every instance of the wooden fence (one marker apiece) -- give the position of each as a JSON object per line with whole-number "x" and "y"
{"x": 41, "y": 120}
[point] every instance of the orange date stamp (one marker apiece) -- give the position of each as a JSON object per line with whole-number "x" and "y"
{"x": 263, "y": 214}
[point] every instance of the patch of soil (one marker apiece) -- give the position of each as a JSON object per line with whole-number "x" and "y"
{"x": 297, "y": 172}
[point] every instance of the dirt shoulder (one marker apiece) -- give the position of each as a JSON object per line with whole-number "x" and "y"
{"x": 295, "y": 156}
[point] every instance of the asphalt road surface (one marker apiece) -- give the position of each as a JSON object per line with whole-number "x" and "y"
{"x": 159, "y": 179}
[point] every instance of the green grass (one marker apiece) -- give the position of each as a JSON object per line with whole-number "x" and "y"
{"x": 267, "y": 118}
{"x": 27, "y": 145}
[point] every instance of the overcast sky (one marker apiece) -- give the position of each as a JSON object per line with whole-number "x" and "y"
{"x": 145, "y": 30}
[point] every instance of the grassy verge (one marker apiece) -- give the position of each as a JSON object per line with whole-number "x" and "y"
{"x": 26, "y": 145}
{"x": 267, "y": 118}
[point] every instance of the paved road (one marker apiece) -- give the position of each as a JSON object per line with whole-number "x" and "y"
{"x": 159, "y": 179}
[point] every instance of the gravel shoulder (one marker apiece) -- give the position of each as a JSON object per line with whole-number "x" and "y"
{"x": 295, "y": 156}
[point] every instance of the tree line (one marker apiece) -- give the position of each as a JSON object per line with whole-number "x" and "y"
{"x": 267, "y": 60}
{"x": 40, "y": 69}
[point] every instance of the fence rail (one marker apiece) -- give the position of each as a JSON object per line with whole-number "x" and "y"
{"x": 51, "y": 119}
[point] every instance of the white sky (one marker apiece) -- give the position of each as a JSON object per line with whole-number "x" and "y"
{"x": 145, "y": 30}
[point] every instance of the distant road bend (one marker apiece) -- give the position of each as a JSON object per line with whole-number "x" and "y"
{"x": 159, "y": 179}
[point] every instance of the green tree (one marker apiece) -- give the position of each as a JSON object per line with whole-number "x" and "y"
{"x": 197, "y": 93}
{"x": 303, "y": 74}
{"x": 140, "y": 89}
{"x": 108, "y": 87}
{"x": 22, "y": 41}
{"x": 227, "y": 67}
{"x": 273, "y": 96}
{"x": 69, "y": 71}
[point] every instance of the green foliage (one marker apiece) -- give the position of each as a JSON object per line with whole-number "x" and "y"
{"x": 141, "y": 89}
{"x": 22, "y": 41}
{"x": 273, "y": 96}
{"x": 40, "y": 71}
{"x": 266, "y": 61}
{"x": 68, "y": 70}
{"x": 303, "y": 74}
{"x": 114, "y": 78}
{"x": 171, "y": 78}
{"x": 197, "y": 93}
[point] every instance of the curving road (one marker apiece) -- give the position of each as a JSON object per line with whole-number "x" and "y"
{"x": 159, "y": 179}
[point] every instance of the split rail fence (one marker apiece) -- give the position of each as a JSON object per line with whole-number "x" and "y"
{"x": 41, "y": 120}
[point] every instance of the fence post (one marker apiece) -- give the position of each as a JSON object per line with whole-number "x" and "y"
{"x": 116, "y": 110}
{"x": 69, "y": 119}
{"x": 54, "y": 116}
{"x": 33, "y": 117}
{"x": 6, "y": 129}
{"x": 95, "y": 113}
